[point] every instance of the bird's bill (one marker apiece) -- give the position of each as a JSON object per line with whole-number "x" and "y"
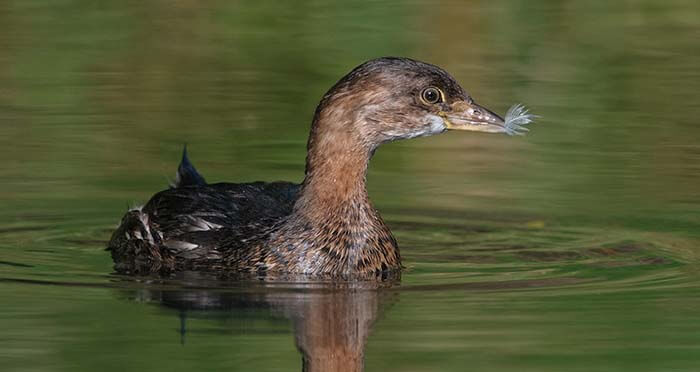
{"x": 470, "y": 116}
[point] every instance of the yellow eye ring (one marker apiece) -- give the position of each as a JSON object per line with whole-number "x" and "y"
{"x": 432, "y": 95}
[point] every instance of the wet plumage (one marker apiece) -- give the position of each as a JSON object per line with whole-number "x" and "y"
{"x": 324, "y": 226}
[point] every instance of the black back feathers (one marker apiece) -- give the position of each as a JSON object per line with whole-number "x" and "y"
{"x": 187, "y": 175}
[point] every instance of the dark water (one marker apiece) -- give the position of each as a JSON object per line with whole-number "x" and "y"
{"x": 572, "y": 249}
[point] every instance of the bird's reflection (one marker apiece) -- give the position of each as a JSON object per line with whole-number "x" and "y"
{"x": 331, "y": 320}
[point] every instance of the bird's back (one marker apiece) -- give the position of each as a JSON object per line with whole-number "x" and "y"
{"x": 197, "y": 224}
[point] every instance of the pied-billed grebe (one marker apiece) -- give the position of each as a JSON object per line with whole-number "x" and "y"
{"x": 326, "y": 225}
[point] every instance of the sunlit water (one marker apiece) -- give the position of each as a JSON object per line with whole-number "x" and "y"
{"x": 574, "y": 248}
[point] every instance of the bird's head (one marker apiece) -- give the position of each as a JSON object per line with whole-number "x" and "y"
{"x": 389, "y": 98}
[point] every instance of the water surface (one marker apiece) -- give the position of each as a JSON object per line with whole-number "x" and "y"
{"x": 573, "y": 248}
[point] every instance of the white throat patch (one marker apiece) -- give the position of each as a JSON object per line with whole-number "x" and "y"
{"x": 437, "y": 125}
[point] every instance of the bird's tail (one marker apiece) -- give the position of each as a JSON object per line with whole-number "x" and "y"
{"x": 135, "y": 248}
{"x": 186, "y": 174}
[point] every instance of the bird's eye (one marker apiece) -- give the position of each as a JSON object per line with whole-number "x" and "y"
{"x": 431, "y": 95}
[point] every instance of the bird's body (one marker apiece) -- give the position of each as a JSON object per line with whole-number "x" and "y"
{"x": 199, "y": 226}
{"x": 250, "y": 227}
{"x": 324, "y": 226}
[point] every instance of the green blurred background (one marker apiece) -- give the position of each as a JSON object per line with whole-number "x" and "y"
{"x": 97, "y": 99}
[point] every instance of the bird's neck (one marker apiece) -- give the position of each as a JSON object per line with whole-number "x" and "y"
{"x": 338, "y": 153}
{"x": 334, "y": 228}
{"x": 336, "y": 174}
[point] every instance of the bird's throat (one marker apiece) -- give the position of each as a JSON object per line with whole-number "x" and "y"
{"x": 335, "y": 179}
{"x": 334, "y": 225}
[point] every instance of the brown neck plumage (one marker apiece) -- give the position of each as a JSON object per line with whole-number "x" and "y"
{"x": 336, "y": 161}
{"x": 333, "y": 227}
{"x": 335, "y": 175}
